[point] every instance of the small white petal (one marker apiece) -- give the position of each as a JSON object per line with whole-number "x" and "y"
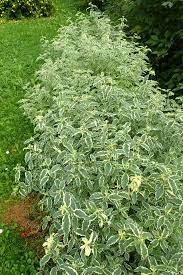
{"x": 87, "y": 250}
{"x": 7, "y": 152}
{"x": 1, "y": 231}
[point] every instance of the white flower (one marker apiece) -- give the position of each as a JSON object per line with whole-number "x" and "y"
{"x": 1, "y": 231}
{"x": 49, "y": 242}
{"x": 87, "y": 244}
{"x": 135, "y": 183}
{"x": 7, "y": 152}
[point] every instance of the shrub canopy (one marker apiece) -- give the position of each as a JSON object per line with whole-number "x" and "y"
{"x": 105, "y": 157}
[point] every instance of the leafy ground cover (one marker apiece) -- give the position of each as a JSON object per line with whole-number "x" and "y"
{"x": 19, "y": 48}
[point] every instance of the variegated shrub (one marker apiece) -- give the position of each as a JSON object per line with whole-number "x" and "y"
{"x": 105, "y": 157}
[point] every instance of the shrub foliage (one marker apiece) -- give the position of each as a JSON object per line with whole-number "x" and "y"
{"x": 105, "y": 156}
{"x": 15, "y": 9}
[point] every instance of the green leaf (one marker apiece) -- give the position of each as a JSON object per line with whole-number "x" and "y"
{"x": 44, "y": 260}
{"x": 108, "y": 168}
{"x": 159, "y": 191}
{"x": 115, "y": 197}
{"x": 160, "y": 221}
{"x": 143, "y": 250}
{"x": 94, "y": 270}
{"x": 49, "y": 203}
{"x": 43, "y": 181}
{"x": 117, "y": 271}
{"x": 48, "y": 161}
{"x": 71, "y": 244}
{"x": 173, "y": 185}
{"x": 86, "y": 225}
{"x": 27, "y": 157}
{"x": 57, "y": 199}
{"x": 101, "y": 181}
{"x": 67, "y": 199}
{"x": 17, "y": 176}
{"x": 124, "y": 180}
{"x": 83, "y": 173}
{"x": 126, "y": 149}
{"x": 54, "y": 271}
{"x": 181, "y": 208}
{"x": 66, "y": 224}
{"x": 142, "y": 269}
{"x": 96, "y": 196}
{"x": 28, "y": 177}
{"x": 112, "y": 240}
{"x": 68, "y": 145}
{"x": 80, "y": 214}
{"x": 59, "y": 184}
{"x": 57, "y": 225}
{"x": 89, "y": 142}
{"x": 134, "y": 197}
{"x": 55, "y": 168}
{"x": 127, "y": 243}
{"x": 69, "y": 270}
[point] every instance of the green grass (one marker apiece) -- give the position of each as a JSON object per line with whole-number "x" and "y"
{"x": 19, "y": 48}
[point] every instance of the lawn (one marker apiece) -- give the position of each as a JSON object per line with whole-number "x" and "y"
{"x": 19, "y": 49}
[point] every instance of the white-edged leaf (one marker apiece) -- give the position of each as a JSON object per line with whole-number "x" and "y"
{"x": 17, "y": 176}
{"x": 57, "y": 225}
{"x": 66, "y": 224}
{"x": 115, "y": 197}
{"x": 96, "y": 196}
{"x": 55, "y": 168}
{"x": 28, "y": 177}
{"x": 117, "y": 271}
{"x": 49, "y": 203}
{"x": 125, "y": 180}
{"x": 112, "y": 240}
{"x": 68, "y": 145}
{"x": 80, "y": 214}
{"x": 43, "y": 181}
{"x": 160, "y": 221}
{"x": 44, "y": 260}
{"x": 126, "y": 149}
{"x": 67, "y": 199}
{"x": 27, "y": 157}
{"x": 54, "y": 271}
{"x": 143, "y": 250}
{"x": 181, "y": 208}
{"x": 94, "y": 270}
{"x": 69, "y": 270}
{"x": 57, "y": 199}
{"x": 159, "y": 191}
{"x": 83, "y": 173}
{"x": 108, "y": 168}
{"x": 88, "y": 141}
{"x": 173, "y": 185}
{"x": 85, "y": 225}
{"x": 143, "y": 270}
